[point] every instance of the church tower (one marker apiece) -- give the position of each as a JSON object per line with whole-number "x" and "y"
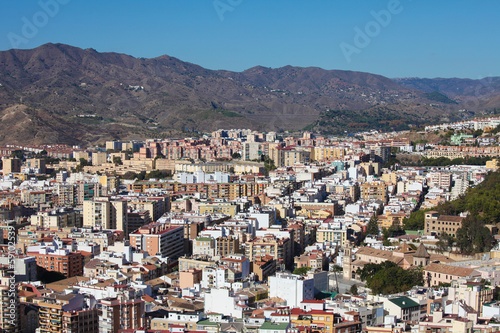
{"x": 347, "y": 261}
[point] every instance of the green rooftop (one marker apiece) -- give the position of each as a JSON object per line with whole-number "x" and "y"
{"x": 404, "y": 302}
{"x": 270, "y": 326}
{"x": 204, "y": 239}
{"x": 206, "y": 322}
{"x": 414, "y": 232}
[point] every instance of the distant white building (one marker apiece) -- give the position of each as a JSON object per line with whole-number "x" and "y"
{"x": 292, "y": 288}
{"x": 227, "y": 302}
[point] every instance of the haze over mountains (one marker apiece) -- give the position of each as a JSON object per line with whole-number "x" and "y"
{"x": 62, "y": 94}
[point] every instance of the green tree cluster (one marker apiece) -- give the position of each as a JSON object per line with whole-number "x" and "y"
{"x": 473, "y": 236}
{"x": 416, "y": 220}
{"x": 482, "y": 200}
{"x": 156, "y": 174}
{"x": 372, "y": 228}
{"x": 268, "y": 165}
{"x": 445, "y": 161}
{"x": 388, "y": 278}
{"x": 117, "y": 160}
{"x": 301, "y": 270}
{"x": 483, "y": 205}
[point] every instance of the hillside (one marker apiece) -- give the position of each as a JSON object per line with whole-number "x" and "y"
{"x": 459, "y": 90}
{"x": 71, "y": 95}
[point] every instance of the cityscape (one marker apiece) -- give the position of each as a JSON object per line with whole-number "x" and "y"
{"x": 233, "y": 166}
{"x": 240, "y": 230}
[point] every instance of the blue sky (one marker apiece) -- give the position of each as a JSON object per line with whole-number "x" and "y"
{"x": 423, "y": 38}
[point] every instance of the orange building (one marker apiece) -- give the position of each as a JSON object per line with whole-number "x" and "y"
{"x": 188, "y": 279}
{"x": 159, "y": 238}
{"x": 63, "y": 261}
{"x": 323, "y": 321}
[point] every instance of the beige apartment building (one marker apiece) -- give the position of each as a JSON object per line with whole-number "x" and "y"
{"x": 105, "y": 213}
{"x": 441, "y": 273}
{"x": 279, "y": 249}
{"x": 159, "y": 239}
{"x": 11, "y": 165}
{"x": 374, "y": 191}
{"x": 436, "y": 224}
{"x": 325, "y": 153}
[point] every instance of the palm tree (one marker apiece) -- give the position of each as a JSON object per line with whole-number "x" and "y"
{"x": 336, "y": 269}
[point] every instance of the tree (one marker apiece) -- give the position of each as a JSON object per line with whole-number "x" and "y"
{"x": 268, "y": 165}
{"x": 445, "y": 242}
{"x": 158, "y": 174}
{"x": 129, "y": 175}
{"x": 429, "y": 279}
{"x": 83, "y": 163}
{"x": 372, "y": 228}
{"x": 336, "y": 269}
{"x": 388, "y": 278}
{"x": 354, "y": 290}
{"x": 473, "y": 236}
{"x": 18, "y": 154}
{"x": 117, "y": 160}
{"x": 386, "y": 234}
{"x": 301, "y": 270}
{"x": 236, "y": 155}
{"x": 416, "y": 221}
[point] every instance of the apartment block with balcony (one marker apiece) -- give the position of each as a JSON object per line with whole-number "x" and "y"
{"x": 105, "y": 213}
{"x": 279, "y": 249}
{"x": 122, "y": 312}
{"x": 67, "y": 313}
{"x": 159, "y": 239}
{"x": 59, "y": 260}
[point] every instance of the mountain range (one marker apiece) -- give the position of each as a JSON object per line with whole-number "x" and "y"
{"x": 58, "y": 93}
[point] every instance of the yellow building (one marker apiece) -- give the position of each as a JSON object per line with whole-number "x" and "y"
{"x": 328, "y": 153}
{"x": 279, "y": 249}
{"x": 66, "y": 313}
{"x": 374, "y": 191}
{"x": 99, "y": 158}
{"x": 11, "y": 165}
{"x": 492, "y": 165}
{"x": 389, "y": 220}
{"x": 105, "y": 213}
{"x": 226, "y": 208}
{"x": 324, "y": 321}
{"x": 110, "y": 182}
{"x": 289, "y": 156}
{"x": 391, "y": 177}
{"x": 337, "y": 236}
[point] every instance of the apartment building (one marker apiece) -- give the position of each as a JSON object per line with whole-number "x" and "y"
{"x": 225, "y": 246}
{"x": 225, "y": 208}
{"x": 374, "y": 191}
{"x": 57, "y": 218}
{"x": 67, "y": 313}
{"x": 36, "y": 164}
{"x": 289, "y": 156}
{"x": 279, "y": 249}
{"x": 99, "y": 158}
{"x": 60, "y": 260}
{"x": 317, "y": 260}
{"x": 159, "y": 239}
{"x": 11, "y": 165}
{"x": 157, "y": 206}
{"x": 122, "y": 312}
{"x": 436, "y": 224}
{"x": 325, "y": 153}
{"x": 105, "y": 213}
